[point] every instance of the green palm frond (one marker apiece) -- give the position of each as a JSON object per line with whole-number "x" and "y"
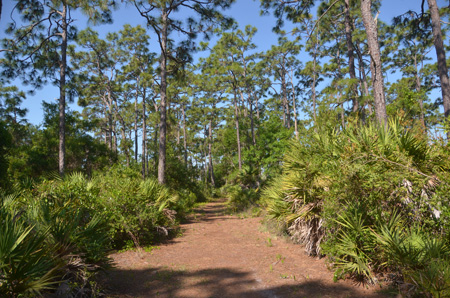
{"x": 27, "y": 264}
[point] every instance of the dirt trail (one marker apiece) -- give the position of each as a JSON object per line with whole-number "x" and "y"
{"x": 226, "y": 256}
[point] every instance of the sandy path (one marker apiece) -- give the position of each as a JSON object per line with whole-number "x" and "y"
{"x": 226, "y": 256}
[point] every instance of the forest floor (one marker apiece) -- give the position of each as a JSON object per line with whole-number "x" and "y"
{"x": 220, "y": 255}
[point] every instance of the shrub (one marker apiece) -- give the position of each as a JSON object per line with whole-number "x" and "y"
{"x": 241, "y": 199}
{"x": 337, "y": 186}
{"x": 421, "y": 258}
{"x": 27, "y": 264}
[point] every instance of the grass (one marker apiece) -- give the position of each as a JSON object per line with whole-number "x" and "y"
{"x": 151, "y": 248}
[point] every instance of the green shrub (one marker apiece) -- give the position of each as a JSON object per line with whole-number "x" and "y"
{"x": 242, "y": 199}
{"x": 337, "y": 185}
{"x": 351, "y": 249}
{"x": 27, "y": 264}
{"x": 423, "y": 259}
{"x": 61, "y": 230}
{"x": 136, "y": 210}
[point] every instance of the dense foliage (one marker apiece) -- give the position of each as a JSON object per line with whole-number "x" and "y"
{"x": 374, "y": 199}
{"x": 62, "y": 230}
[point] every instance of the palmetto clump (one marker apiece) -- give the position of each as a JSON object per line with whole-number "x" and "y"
{"x": 339, "y": 186}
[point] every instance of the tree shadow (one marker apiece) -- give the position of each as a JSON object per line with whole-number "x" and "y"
{"x": 217, "y": 282}
{"x": 208, "y": 213}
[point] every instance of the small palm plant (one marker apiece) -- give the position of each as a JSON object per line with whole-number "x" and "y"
{"x": 423, "y": 259}
{"x": 27, "y": 265}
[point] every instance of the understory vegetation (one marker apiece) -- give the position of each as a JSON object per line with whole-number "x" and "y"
{"x": 373, "y": 199}
{"x": 57, "y": 233}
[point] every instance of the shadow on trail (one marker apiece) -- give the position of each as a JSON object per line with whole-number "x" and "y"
{"x": 218, "y": 282}
{"x": 210, "y": 212}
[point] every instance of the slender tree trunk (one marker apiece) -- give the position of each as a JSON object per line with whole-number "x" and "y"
{"x": 440, "y": 53}
{"x": 211, "y": 169}
{"x": 144, "y": 135}
{"x": 136, "y": 121}
{"x": 163, "y": 115}
{"x": 313, "y": 90}
{"x": 313, "y": 87}
{"x": 363, "y": 79}
{"x": 294, "y": 105}
{"x": 256, "y": 106}
{"x": 375, "y": 55}
{"x": 110, "y": 122}
{"x": 62, "y": 93}
{"x": 287, "y": 112}
{"x": 204, "y": 160}
{"x": 418, "y": 89}
{"x": 252, "y": 122}
{"x": 110, "y": 134}
{"x": 105, "y": 125}
{"x": 242, "y": 102}
{"x": 236, "y": 120}
{"x": 146, "y": 160}
{"x": 114, "y": 129}
{"x": 124, "y": 139}
{"x": 156, "y": 148}
{"x": 184, "y": 135}
{"x": 178, "y": 129}
{"x": 351, "y": 58}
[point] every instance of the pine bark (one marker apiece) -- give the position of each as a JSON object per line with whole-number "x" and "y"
{"x": 440, "y": 53}
{"x": 184, "y": 135}
{"x": 236, "y": 119}
{"x": 375, "y": 66}
{"x": 211, "y": 168}
{"x": 144, "y": 137}
{"x": 351, "y": 58}
{"x": 163, "y": 113}
{"x": 136, "y": 122}
{"x": 287, "y": 112}
{"x": 294, "y": 105}
{"x": 62, "y": 93}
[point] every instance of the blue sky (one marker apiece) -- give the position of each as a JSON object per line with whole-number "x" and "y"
{"x": 243, "y": 11}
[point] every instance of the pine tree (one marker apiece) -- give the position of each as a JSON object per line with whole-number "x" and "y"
{"x": 159, "y": 17}
{"x": 37, "y": 52}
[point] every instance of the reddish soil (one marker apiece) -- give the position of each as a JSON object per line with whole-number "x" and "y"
{"x": 220, "y": 255}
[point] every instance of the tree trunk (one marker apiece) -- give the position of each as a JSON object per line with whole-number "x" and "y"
{"x": 110, "y": 121}
{"x": 375, "y": 55}
{"x": 110, "y": 134}
{"x": 136, "y": 122}
{"x": 294, "y": 105}
{"x": 364, "y": 87}
{"x": 144, "y": 136}
{"x": 178, "y": 137}
{"x": 252, "y": 122}
{"x": 236, "y": 120}
{"x": 124, "y": 139}
{"x": 440, "y": 53}
{"x": 163, "y": 115}
{"x": 351, "y": 58}
{"x": 184, "y": 135}
{"x": 156, "y": 147}
{"x": 418, "y": 89}
{"x": 105, "y": 125}
{"x": 313, "y": 87}
{"x": 287, "y": 113}
{"x": 211, "y": 169}
{"x": 62, "y": 93}
{"x": 114, "y": 129}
